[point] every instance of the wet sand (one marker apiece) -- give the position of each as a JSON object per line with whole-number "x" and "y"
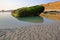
{"x": 36, "y": 32}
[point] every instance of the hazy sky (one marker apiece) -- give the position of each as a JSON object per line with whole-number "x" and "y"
{"x": 14, "y": 4}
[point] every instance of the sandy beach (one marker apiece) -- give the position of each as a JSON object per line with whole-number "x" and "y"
{"x": 38, "y": 32}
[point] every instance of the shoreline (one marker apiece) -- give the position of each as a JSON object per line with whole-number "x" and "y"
{"x": 51, "y": 16}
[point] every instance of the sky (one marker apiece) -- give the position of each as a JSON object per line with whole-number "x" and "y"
{"x": 14, "y": 4}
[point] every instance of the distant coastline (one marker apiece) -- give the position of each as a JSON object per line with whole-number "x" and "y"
{"x": 6, "y": 10}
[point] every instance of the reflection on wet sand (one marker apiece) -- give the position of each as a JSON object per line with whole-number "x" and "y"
{"x": 34, "y": 19}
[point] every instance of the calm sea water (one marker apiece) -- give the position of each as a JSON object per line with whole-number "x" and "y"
{"x": 8, "y": 21}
